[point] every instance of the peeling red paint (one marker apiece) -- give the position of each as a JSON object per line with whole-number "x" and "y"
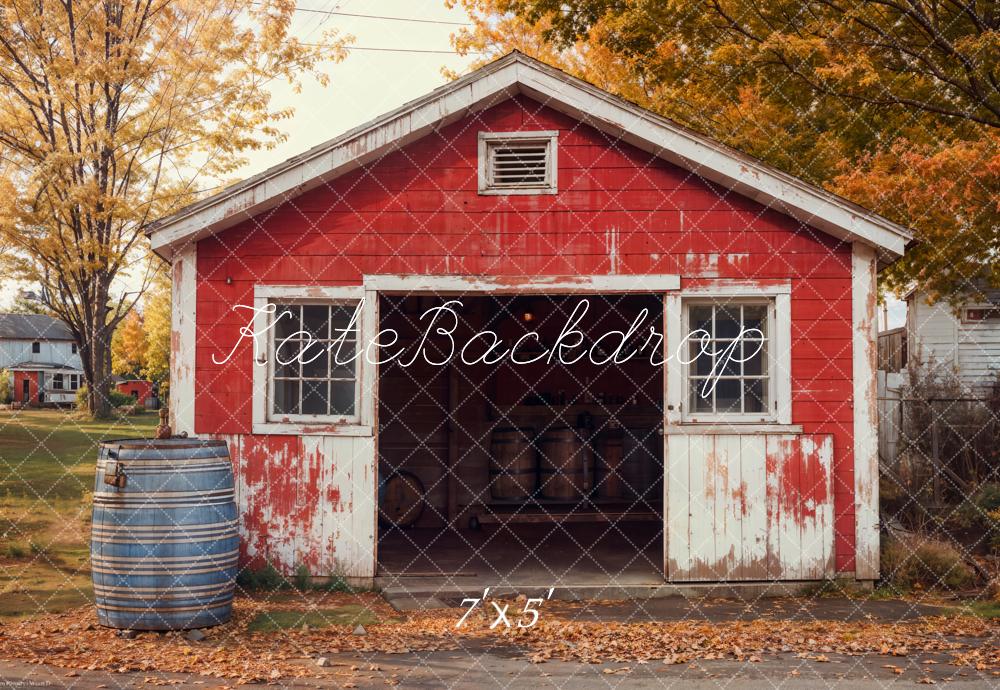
{"x": 673, "y": 225}
{"x": 740, "y": 498}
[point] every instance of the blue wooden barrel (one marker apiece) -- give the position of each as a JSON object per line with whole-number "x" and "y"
{"x": 164, "y": 544}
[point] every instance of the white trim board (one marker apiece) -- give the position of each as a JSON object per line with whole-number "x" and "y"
{"x": 519, "y": 285}
{"x": 865, "y": 451}
{"x": 508, "y": 76}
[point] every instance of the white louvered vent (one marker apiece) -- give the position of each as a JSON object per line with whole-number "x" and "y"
{"x": 517, "y": 162}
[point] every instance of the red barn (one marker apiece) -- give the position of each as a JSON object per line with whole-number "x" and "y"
{"x": 139, "y": 389}
{"x": 521, "y": 331}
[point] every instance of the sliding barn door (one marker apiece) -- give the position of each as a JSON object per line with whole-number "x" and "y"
{"x": 749, "y": 507}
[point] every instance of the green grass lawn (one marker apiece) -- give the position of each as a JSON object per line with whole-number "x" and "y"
{"x": 46, "y": 478}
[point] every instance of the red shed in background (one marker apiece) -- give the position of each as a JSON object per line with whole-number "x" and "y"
{"x": 139, "y": 389}
{"x": 485, "y": 213}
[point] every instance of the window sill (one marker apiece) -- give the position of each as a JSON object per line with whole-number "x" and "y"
{"x": 730, "y": 428}
{"x": 517, "y": 191}
{"x": 312, "y": 429}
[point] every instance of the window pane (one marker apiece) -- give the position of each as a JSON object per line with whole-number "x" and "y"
{"x": 340, "y": 316}
{"x": 286, "y": 396}
{"x": 701, "y": 319}
{"x": 342, "y": 397}
{"x": 305, "y": 383}
{"x": 728, "y": 357}
{"x": 755, "y": 395}
{"x": 315, "y": 320}
{"x": 701, "y": 401}
{"x": 344, "y": 353}
{"x": 727, "y": 321}
{"x": 727, "y": 396}
{"x": 753, "y": 356}
{"x": 287, "y": 320}
{"x": 755, "y": 317}
{"x": 314, "y": 397}
{"x": 315, "y": 362}
{"x": 701, "y": 362}
{"x": 290, "y": 370}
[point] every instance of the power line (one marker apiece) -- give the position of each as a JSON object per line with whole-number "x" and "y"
{"x": 407, "y": 50}
{"x": 334, "y": 13}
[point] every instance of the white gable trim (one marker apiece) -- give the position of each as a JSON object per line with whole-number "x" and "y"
{"x": 502, "y": 79}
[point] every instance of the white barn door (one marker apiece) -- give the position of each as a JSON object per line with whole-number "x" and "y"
{"x": 749, "y": 507}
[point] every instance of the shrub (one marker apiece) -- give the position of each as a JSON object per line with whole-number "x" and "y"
{"x": 116, "y": 398}
{"x": 920, "y": 561}
{"x": 6, "y": 392}
{"x": 974, "y": 511}
{"x": 302, "y": 577}
{"x": 266, "y": 579}
{"x": 16, "y": 551}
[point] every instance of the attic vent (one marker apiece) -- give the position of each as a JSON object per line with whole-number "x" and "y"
{"x": 517, "y": 162}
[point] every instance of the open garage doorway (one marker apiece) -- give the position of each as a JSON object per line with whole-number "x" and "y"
{"x": 542, "y": 469}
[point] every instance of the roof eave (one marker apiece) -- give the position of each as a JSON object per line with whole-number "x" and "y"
{"x": 501, "y": 79}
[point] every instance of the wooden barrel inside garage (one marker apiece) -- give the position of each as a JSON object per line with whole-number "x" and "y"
{"x": 642, "y": 464}
{"x": 630, "y": 464}
{"x": 164, "y": 542}
{"x": 610, "y": 482}
{"x": 513, "y": 463}
{"x": 566, "y": 464}
{"x": 400, "y": 499}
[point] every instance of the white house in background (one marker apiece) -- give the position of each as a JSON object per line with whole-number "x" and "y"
{"x": 41, "y": 354}
{"x": 966, "y": 340}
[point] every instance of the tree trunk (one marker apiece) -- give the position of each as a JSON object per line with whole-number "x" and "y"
{"x": 99, "y": 375}
{"x": 95, "y": 354}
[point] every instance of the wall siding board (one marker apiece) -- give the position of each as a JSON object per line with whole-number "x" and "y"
{"x": 784, "y": 534}
{"x": 416, "y": 211}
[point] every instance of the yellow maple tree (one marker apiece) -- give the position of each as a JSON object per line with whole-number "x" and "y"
{"x": 116, "y": 113}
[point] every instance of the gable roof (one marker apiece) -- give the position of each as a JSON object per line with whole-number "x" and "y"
{"x": 33, "y": 327}
{"x": 513, "y": 74}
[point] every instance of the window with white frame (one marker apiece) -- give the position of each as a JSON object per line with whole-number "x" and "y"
{"x": 981, "y": 314}
{"x": 57, "y": 381}
{"x": 518, "y": 162}
{"x": 729, "y": 353}
{"x": 74, "y": 382}
{"x": 728, "y": 360}
{"x": 313, "y": 367}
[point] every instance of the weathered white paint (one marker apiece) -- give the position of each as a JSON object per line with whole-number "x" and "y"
{"x": 700, "y": 429}
{"x": 779, "y": 351}
{"x": 938, "y": 337}
{"x": 59, "y": 352}
{"x": 503, "y": 78}
{"x": 865, "y": 361}
{"x": 183, "y": 335}
{"x": 548, "y": 137}
{"x": 520, "y": 285}
{"x": 359, "y": 424}
{"x": 749, "y": 507}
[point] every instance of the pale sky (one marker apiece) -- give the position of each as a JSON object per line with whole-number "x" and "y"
{"x": 369, "y": 82}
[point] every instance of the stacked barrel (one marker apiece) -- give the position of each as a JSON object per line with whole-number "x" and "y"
{"x": 566, "y": 463}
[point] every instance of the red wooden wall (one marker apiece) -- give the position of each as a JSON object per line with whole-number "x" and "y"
{"x": 417, "y": 210}
{"x": 19, "y": 378}
{"x": 143, "y": 389}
